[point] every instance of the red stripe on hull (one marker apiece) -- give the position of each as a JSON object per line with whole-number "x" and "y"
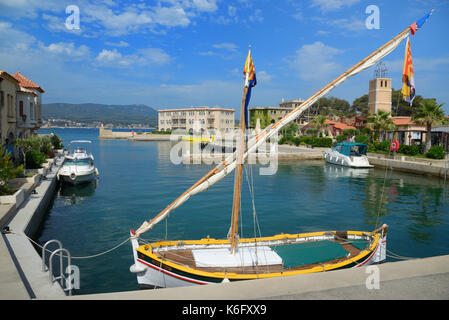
{"x": 171, "y": 274}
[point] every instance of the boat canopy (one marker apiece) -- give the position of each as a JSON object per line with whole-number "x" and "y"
{"x": 351, "y": 149}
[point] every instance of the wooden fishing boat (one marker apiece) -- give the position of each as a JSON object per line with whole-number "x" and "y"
{"x": 205, "y": 261}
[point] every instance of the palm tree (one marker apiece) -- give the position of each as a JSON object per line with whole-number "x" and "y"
{"x": 381, "y": 122}
{"x": 319, "y": 122}
{"x": 429, "y": 113}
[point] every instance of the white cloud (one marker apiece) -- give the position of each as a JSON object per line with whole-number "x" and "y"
{"x": 117, "y": 44}
{"x": 332, "y": 5}
{"x": 316, "y": 61}
{"x": 113, "y": 58}
{"x": 205, "y": 5}
{"x": 226, "y": 46}
{"x": 263, "y": 76}
{"x": 155, "y": 55}
{"x": 13, "y": 38}
{"x": 171, "y": 17}
{"x": 66, "y": 49}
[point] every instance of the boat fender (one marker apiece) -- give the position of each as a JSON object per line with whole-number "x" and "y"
{"x": 73, "y": 176}
{"x": 137, "y": 268}
{"x": 96, "y": 172}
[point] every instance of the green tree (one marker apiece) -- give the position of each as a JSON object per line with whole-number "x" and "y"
{"x": 429, "y": 113}
{"x": 380, "y": 122}
{"x": 360, "y": 105}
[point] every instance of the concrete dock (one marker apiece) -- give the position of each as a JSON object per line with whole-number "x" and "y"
{"x": 420, "y": 279}
{"x": 21, "y": 275}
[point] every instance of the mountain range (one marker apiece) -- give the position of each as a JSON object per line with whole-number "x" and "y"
{"x": 90, "y": 112}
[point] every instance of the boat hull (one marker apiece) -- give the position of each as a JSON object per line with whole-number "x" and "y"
{"x": 152, "y": 272}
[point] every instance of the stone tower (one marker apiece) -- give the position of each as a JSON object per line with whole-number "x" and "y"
{"x": 380, "y": 91}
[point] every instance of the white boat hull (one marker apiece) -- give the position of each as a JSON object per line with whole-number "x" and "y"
{"x": 334, "y": 157}
{"x": 75, "y": 175}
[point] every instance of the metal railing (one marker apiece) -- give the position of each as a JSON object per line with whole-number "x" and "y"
{"x": 64, "y": 281}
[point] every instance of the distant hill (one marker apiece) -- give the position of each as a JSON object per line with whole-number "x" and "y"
{"x": 88, "y": 112}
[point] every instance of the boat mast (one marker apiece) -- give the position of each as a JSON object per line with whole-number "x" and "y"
{"x": 233, "y": 232}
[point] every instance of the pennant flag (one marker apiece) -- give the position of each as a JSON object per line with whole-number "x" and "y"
{"x": 250, "y": 81}
{"x": 418, "y": 24}
{"x": 408, "y": 79}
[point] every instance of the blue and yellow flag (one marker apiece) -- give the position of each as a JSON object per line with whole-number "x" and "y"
{"x": 250, "y": 81}
{"x": 408, "y": 79}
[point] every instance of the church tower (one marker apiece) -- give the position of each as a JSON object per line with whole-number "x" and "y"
{"x": 379, "y": 91}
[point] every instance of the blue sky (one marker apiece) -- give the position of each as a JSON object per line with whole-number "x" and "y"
{"x": 181, "y": 53}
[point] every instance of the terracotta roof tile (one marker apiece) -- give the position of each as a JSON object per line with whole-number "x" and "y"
{"x": 26, "y": 83}
{"x": 403, "y": 121}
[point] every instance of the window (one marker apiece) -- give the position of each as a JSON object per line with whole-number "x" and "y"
{"x": 2, "y": 99}
{"x": 21, "y": 108}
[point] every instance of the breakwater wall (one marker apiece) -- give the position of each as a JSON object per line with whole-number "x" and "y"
{"x": 431, "y": 167}
{"x": 108, "y": 134}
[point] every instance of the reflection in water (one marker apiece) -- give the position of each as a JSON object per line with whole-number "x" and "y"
{"x": 419, "y": 200}
{"x": 73, "y": 194}
{"x": 336, "y": 171}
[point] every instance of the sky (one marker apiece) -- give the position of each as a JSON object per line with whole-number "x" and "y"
{"x": 182, "y": 53}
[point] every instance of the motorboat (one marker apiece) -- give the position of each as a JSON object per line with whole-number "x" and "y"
{"x": 78, "y": 166}
{"x": 348, "y": 154}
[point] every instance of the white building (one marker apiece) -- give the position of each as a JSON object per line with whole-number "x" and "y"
{"x": 197, "y": 120}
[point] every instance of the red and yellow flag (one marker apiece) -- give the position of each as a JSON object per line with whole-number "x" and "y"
{"x": 408, "y": 79}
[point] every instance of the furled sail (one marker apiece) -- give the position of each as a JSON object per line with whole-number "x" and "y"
{"x": 229, "y": 164}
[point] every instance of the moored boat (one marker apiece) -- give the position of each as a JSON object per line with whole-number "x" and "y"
{"x": 78, "y": 166}
{"x": 206, "y": 261}
{"x": 348, "y": 154}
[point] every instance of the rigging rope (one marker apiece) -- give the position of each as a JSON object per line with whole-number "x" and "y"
{"x": 74, "y": 257}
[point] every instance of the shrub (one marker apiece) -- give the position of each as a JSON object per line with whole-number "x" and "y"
{"x": 436, "y": 152}
{"x": 409, "y": 150}
{"x": 341, "y": 138}
{"x": 282, "y": 140}
{"x": 382, "y": 146}
{"x": 34, "y": 159}
{"x": 7, "y": 172}
{"x": 322, "y": 142}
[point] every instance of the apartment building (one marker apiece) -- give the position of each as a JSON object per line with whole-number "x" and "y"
{"x": 20, "y": 106}
{"x": 268, "y": 115}
{"x": 197, "y": 120}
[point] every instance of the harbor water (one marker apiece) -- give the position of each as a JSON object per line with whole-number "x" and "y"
{"x": 137, "y": 180}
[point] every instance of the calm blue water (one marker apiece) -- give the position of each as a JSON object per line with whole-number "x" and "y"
{"x": 137, "y": 180}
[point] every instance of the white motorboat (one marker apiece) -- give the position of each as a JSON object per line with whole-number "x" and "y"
{"x": 78, "y": 166}
{"x": 348, "y": 154}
